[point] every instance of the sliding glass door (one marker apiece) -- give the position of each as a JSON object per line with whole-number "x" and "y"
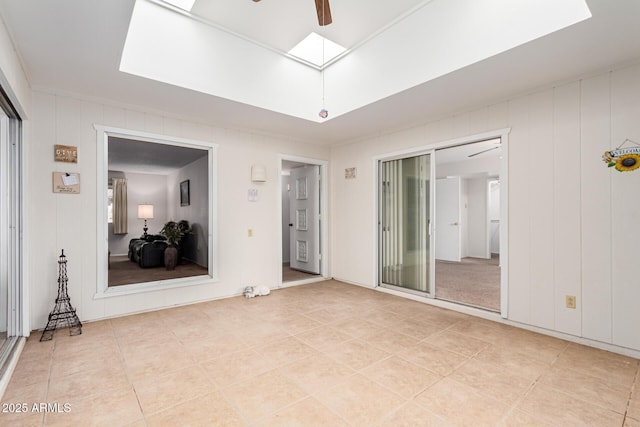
{"x": 405, "y": 206}
{"x": 11, "y": 302}
{"x": 4, "y": 227}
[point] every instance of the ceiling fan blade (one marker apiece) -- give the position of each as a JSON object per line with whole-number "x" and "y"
{"x": 483, "y": 151}
{"x": 324, "y": 12}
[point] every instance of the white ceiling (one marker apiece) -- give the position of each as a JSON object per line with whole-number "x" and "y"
{"x": 281, "y": 24}
{"x": 134, "y": 156}
{"x": 74, "y": 46}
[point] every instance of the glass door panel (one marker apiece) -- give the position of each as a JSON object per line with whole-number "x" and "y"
{"x": 405, "y": 216}
{"x": 4, "y": 228}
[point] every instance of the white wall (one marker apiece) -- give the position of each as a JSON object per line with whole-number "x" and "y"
{"x": 477, "y": 217}
{"x": 69, "y": 221}
{"x": 573, "y": 222}
{"x": 464, "y": 218}
{"x": 281, "y": 84}
{"x": 12, "y": 78}
{"x": 197, "y": 213}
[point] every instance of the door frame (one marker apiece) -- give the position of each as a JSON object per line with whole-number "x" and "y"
{"x": 503, "y": 134}
{"x": 308, "y": 177}
{"x": 324, "y": 218}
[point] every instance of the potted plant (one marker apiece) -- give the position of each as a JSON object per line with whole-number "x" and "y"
{"x": 174, "y": 232}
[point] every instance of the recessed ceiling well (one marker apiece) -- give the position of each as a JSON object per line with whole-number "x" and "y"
{"x": 432, "y": 38}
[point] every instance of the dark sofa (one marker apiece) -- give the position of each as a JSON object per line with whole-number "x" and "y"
{"x": 148, "y": 252}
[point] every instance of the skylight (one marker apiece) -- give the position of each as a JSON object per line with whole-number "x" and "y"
{"x": 182, "y": 4}
{"x": 317, "y": 50}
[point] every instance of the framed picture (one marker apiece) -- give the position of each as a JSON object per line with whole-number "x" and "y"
{"x": 184, "y": 193}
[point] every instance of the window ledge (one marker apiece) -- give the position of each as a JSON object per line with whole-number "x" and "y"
{"x": 160, "y": 285}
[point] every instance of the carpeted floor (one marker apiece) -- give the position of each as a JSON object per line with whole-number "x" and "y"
{"x": 473, "y": 281}
{"x": 122, "y": 271}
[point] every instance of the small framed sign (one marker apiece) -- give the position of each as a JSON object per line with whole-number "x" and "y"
{"x": 65, "y": 153}
{"x": 350, "y": 173}
{"x": 66, "y": 182}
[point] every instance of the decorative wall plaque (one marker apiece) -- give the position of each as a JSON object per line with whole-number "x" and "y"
{"x": 65, "y": 153}
{"x": 623, "y": 159}
{"x": 66, "y": 182}
{"x": 350, "y": 173}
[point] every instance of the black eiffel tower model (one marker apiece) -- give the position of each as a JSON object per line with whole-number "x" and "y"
{"x": 63, "y": 313}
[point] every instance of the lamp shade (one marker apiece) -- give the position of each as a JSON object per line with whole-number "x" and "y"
{"x": 145, "y": 211}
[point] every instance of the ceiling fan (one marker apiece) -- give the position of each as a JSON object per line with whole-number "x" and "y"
{"x": 323, "y": 11}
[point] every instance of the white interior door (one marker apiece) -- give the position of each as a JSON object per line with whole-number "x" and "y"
{"x": 305, "y": 219}
{"x": 448, "y": 233}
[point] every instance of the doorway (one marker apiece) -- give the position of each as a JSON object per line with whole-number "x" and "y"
{"x": 456, "y": 215}
{"x": 303, "y": 201}
{"x": 467, "y": 268}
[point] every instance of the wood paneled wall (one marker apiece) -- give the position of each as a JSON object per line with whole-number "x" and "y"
{"x": 574, "y": 224}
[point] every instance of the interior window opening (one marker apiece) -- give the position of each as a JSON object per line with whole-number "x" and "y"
{"x": 157, "y": 205}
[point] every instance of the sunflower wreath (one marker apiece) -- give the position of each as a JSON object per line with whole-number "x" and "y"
{"x": 623, "y": 159}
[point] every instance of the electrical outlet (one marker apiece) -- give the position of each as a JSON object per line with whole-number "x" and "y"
{"x": 571, "y": 301}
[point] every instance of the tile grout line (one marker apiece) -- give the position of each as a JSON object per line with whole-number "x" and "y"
{"x": 126, "y": 370}
{"x": 520, "y": 399}
{"x": 632, "y": 392}
{"x": 46, "y": 398}
{"x": 632, "y": 386}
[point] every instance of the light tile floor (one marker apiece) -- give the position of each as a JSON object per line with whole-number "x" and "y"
{"x": 327, "y": 354}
